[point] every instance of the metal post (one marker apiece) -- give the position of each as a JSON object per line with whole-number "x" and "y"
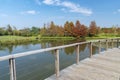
{"x": 90, "y": 49}
{"x": 99, "y": 46}
{"x": 12, "y": 69}
{"x": 57, "y": 62}
{"x": 106, "y": 44}
{"x": 77, "y": 54}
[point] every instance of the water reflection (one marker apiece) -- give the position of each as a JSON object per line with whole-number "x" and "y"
{"x": 11, "y": 49}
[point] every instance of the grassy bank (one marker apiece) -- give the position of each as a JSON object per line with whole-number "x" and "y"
{"x": 15, "y": 39}
{"x": 20, "y": 39}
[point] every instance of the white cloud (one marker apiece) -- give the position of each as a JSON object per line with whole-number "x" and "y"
{"x": 33, "y": 12}
{"x": 76, "y": 8}
{"x": 72, "y": 7}
{"x": 50, "y": 2}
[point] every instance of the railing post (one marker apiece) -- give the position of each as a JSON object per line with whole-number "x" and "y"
{"x": 90, "y": 49}
{"x": 77, "y": 54}
{"x": 112, "y": 43}
{"x": 57, "y": 62}
{"x": 12, "y": 69}
{"x": 117, "y": 43}
{"x": 99, "y": 46}
{"x": 106, "y": 44}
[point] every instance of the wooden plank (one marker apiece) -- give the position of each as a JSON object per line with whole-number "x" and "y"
{"x": 98, "y": 67}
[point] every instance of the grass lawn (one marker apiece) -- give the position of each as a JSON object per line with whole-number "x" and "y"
{"x": 6, "y": 38}
{"x": 102, "y": 36}
{"x": 20, "y": 39}
{"x": 15, "y": 39}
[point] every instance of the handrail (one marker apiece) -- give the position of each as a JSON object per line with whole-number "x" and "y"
{"x": 37, "y": 51}
{"x": 12, "y": 57}
{"x": 46, "y": 49}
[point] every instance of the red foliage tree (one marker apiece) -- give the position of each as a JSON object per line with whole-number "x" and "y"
{"x": 93, "y": 28}
{"x": 80, "y": 30}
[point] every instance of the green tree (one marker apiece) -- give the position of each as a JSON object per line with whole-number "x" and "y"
{"x": 43, "y": 31}
{"x": 2, "y": 31}
{"x": 25, "y": 32}
{"x": 9, "y": 29}
{"x": 35, "y": 31}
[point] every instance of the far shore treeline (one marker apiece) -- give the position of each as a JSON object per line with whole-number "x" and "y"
{"x": 69, "y": 29}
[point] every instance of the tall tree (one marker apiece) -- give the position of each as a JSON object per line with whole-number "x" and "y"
{"x": 52, "y": 29}
{"x": 69, "y": 26}
{"x": 35, "y": 30}
{"x": 9, "y": 29}
{"x": 77, "y": 29}
{"x": 25, "y": 32}
{"x": 92, "y": 28}
{"x": 83, "y": 31}
{"x": 80, "y": 30}
{"x": 2, "y": 31}
{"x": 43, "y": 31}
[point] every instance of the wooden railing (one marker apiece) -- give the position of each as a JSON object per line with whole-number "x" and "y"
{"x": 12, "y": 57}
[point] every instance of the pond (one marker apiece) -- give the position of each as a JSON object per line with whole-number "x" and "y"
{"x": 40, "y": 66}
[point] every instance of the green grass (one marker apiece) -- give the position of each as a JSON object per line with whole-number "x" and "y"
{"x": 102, "y": 36}
{"x": 15, "y": 39}
{"x": 21, "y": 40}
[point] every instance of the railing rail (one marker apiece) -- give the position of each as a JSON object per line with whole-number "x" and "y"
{"x": 12, "y": 57}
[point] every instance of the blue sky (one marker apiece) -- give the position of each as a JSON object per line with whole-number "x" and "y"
{"x": 28, "y": 13}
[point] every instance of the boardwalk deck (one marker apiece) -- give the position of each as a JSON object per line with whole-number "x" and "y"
{"x": 103, "y": 66}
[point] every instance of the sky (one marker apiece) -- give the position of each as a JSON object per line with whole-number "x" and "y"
{"x": 28, "y": 13}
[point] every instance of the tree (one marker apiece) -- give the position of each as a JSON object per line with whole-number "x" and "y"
{"x": 43, "y": 31}
{"x": 25, "y": 32}
{"x": 9, "y": 30}
{"x": 118, "y": 31}
{"x": 80, "y": 30}
{"x": 83, "y": 31}
{"x": 69, "y": 26}
{"x": 52, "y": 29}
{"x": 15, "y": 31}
{"x": 35, "y": 30}
{"x": 77, "y": 29}
{"x": 2, "y": 31}
{"x": 60, "y": 30}
{"x": 93, "y": 29}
